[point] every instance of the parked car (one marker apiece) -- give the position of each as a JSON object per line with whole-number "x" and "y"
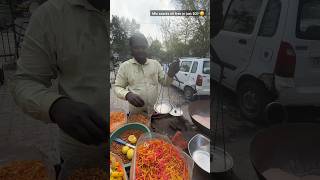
{"x": 193, "y": 77}
{"x": 275, "y": 47}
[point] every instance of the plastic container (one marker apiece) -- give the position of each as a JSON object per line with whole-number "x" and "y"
{"x": 122, "y": 165}
{"x": 21, "y": 153}
{"x": 149, "y": 136}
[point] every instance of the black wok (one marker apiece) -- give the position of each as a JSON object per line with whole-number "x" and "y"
{"x": 199, "y": 112}
{"x": 292, "y": 148}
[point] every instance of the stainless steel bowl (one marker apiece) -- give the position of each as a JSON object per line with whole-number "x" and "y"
{"x": 163, "y": 107}
{"x": 199, "y": 150}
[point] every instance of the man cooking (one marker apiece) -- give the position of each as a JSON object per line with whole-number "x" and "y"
{"x": 138, "y": 78}
{"x": 67, "y": 40}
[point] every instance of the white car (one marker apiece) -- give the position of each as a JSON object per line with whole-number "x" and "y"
{"x": 193, "y": 77}
{"x": 275, "y": 47}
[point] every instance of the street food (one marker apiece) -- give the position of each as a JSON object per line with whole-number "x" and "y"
{"x": 132, "y": 139}
{"x": 116, "y": 120}
{"x": 24, "y": 170}
{"x": 158, "y": 159}
{"x": 138, "y": 118}
{"x": 118, "y": 148}
{"x": 88, "y": 174}
{"x": 117, "y": 171}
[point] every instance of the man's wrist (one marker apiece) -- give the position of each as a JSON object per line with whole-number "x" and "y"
{"x": 54, "y": 105}
{"x": 126, "y": 96}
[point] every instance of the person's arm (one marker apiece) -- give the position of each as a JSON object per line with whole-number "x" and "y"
{"x": 31, "y": 83}
{"x": 164, "y": 79}
{"x": 121, "y": 83}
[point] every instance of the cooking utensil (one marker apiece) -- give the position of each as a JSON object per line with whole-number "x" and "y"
{"x": 120, "y": 141}
{"x": 222, "y": 161}
{"x": 119, "y": 131}
{"x": 199, "y": 112}
{"x": 199, "y": 150}
{"x": 163, "y": 107}
{"x": 291, "y": 148}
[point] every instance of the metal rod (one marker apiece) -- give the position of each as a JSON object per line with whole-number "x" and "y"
{"x": 4, "y": 49}
{"x": 13, "y": 28}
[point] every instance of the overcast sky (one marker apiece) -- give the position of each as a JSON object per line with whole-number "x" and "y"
{"x": 140, "y": 11}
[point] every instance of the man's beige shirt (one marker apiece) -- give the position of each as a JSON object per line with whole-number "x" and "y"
{"x": 143, "y": 80}
{"x": 65, "y": 40}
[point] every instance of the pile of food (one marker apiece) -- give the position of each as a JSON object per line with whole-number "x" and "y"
{"x": 88, "y": 174}
{"x": 24, "y": 170}
{"x": 139, "y": 118}
{"x": 124, "y": 152}
{"x": 117, "y": 172}
{"x": 158, "y": 159}
{"x": 117, "y": 119}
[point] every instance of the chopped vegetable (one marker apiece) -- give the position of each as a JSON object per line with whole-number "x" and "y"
{"x": 130, "y": 154}
{"x": 24, "y": 170}
{"x": 88, "y": 174}
{"x": 116, "y": 119}
{"x": 139, "y": 118}
{"x": 116, "y": 170}
{"x": 158, "y": 159}
{"x": 125, "y": 149}
{"x": 132, "y": 139}
{"x": 116, "y": 148}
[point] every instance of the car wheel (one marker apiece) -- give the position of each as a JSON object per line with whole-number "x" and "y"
{"x": 252, "y": 99}
{"x": 188, "y": 93}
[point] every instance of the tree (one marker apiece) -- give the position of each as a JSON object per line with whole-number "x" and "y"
{"x": 130, "y": 27}
{"x": 155, "y": 50}
{"x": 118, "y": 38}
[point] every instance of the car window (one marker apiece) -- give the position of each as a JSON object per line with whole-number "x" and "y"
{"x": 242, "y": 16}
{"x": 206, "y": 67}
{"x": 194, "y": 67}
{"x": 308, "y": 26}
{"x": 270, "y": 19}
{"x": 185, "y": 66}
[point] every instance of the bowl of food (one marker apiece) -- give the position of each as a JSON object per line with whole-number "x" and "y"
{"x": 25, "y": 163}
{"x": 118, "y": 118}
{"x": 128, "y": 133}
{"x": 157, "y": 158}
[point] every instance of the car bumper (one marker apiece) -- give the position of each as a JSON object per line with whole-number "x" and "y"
{"x": 290, "y": 94}
{"x": 300, "y": 96}
{"x": 202, "y": 91}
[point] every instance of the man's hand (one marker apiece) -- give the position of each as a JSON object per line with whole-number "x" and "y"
{"x": 80, "y": 121}
{"x": 134, "y": 99}
{"x": 173, "y": 68}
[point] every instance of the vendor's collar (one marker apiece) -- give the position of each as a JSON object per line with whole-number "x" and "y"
{"x": 134, "y": 61}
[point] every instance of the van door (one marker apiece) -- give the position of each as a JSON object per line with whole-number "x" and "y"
{"x": 307, "y": 46}
{"x": 205, "y": 73}
{"x": 270, "y": 35}
{"x": 234, "y": 44}
{"x": 193, "y": 76}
